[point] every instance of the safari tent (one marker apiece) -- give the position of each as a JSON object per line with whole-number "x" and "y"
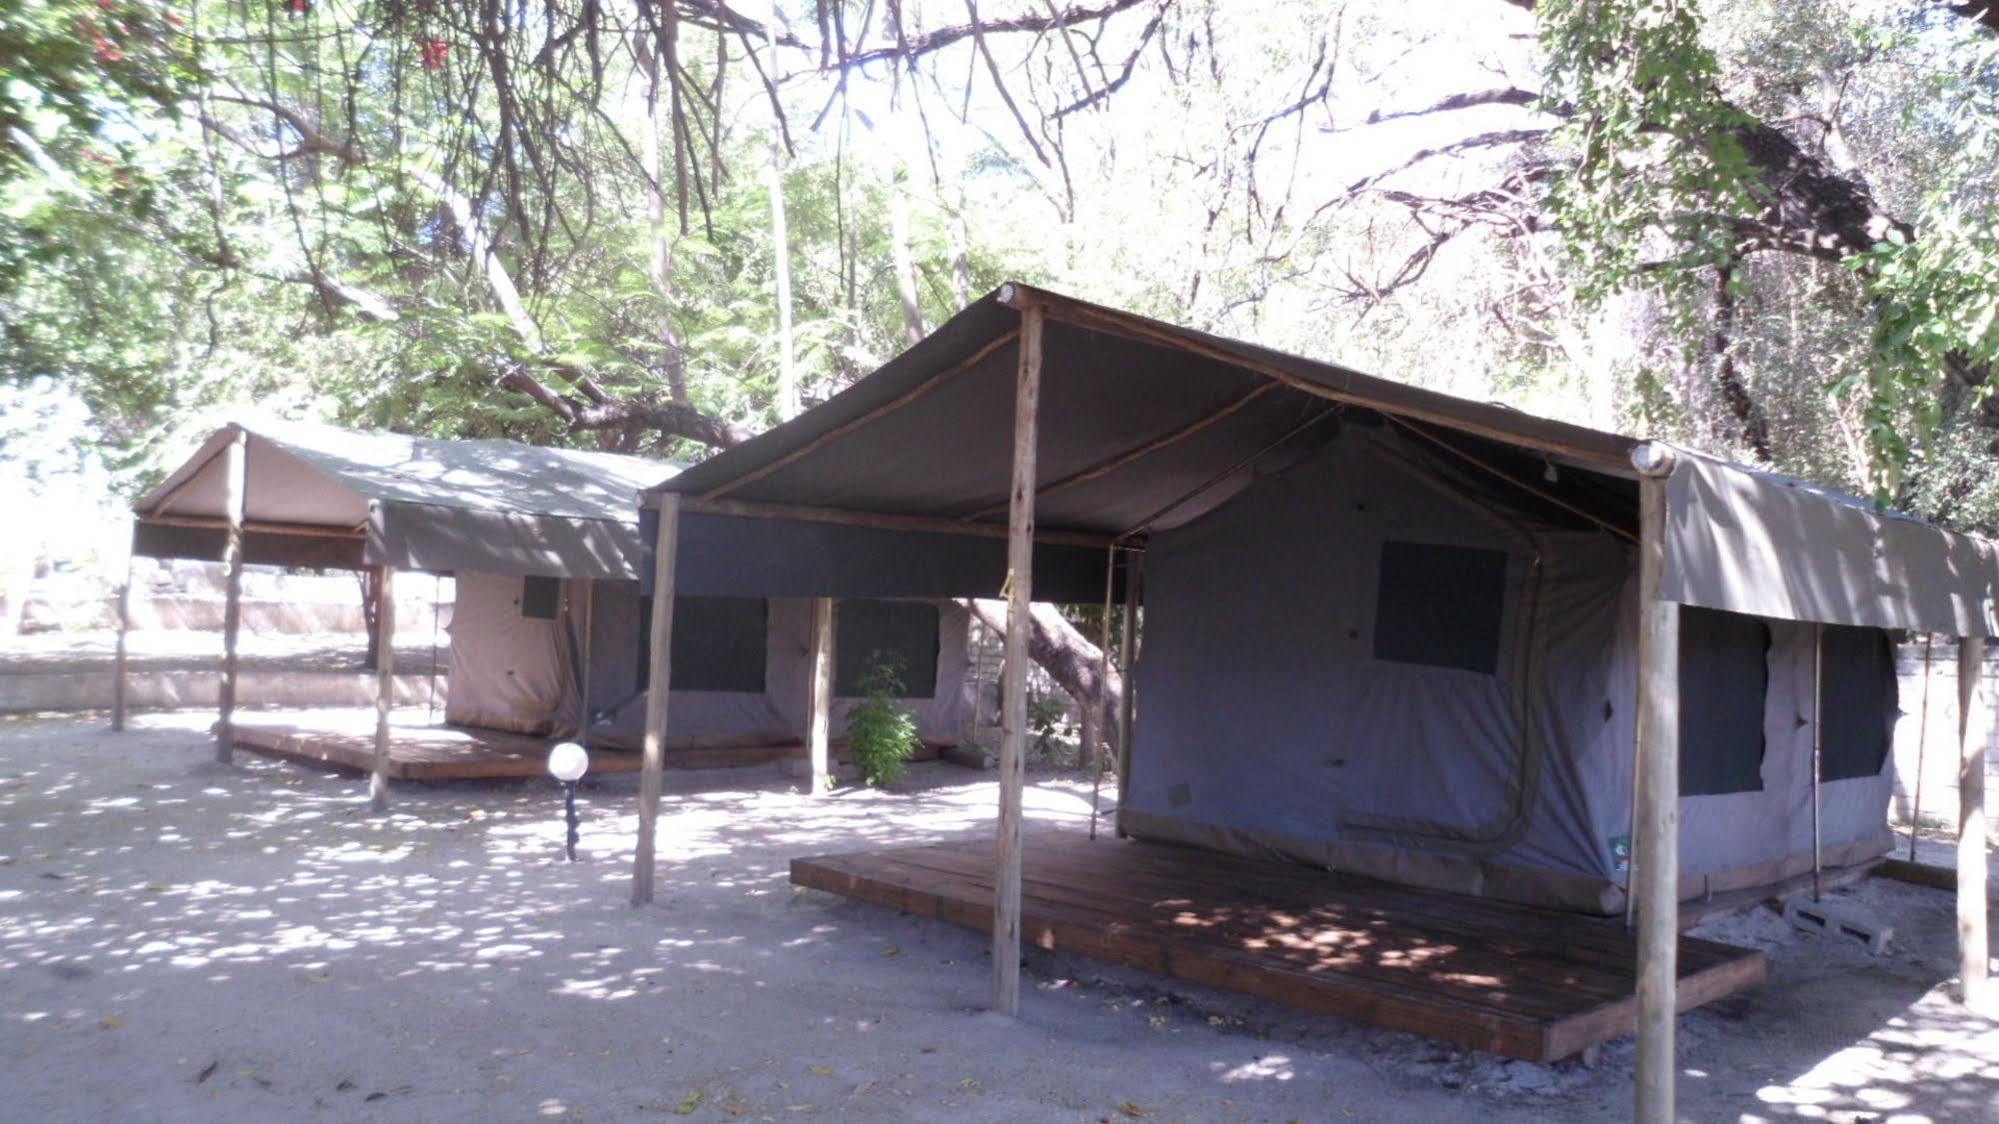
{"x": 543, "y": 546}
{"x": 1386, "y": 634}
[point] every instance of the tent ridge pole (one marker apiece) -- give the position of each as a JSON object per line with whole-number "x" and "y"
{"x": 1013, "y": 695}
{"x": 1145, "y": 449}
{"x": 852, "y": 424}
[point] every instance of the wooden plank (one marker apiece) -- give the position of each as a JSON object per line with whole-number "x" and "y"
{"x": 1919, "y": 874}
{"x": 1521, "y": 982}
{"x": 1974, "y": 961}
{"x": 666, "y": 547}
{"x": 1013, "y": 681}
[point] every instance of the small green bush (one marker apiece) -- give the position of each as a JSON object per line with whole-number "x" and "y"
{"x": 1045, "y": 715}
{"x": 881, "y": 734}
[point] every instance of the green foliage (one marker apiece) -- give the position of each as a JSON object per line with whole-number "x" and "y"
{"x": 1045, "y": 713}
{"x": 1656, "y": 145}
{"x": 1937, "y": 296}
{"x": 881, "y": 734}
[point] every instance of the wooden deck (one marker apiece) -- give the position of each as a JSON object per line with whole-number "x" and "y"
{"x": 417, "y": 751}
{"x": 1526, "y": 983}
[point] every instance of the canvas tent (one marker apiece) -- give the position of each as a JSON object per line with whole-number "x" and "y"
{"x": 544, "y": 547}
{"x": 1384, "y": 629}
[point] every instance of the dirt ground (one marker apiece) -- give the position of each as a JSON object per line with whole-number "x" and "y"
{"x": 181, "y": 940}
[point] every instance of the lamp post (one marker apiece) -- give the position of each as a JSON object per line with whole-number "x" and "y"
{"x": 567, "y": 763}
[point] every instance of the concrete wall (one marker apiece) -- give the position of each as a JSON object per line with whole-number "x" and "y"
{"x": 199, "y": 689}
{"x": 1935, "y": 755}
{"x": 189, "y": 595}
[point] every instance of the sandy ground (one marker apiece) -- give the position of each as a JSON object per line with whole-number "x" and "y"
{"x": 180, "y": 940}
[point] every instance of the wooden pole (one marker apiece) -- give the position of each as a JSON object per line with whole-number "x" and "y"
{"x": 819, "y": 724}
{"x": 385, "y": 686}
{"x": 583, "y": 691}
{"x": 1818, "y": 754}
{"x": 118, "y": 685}
{"x": 666, "y": 549}
{"x": 1093, "y": 727}
{"x": 1656, "y": 848}
{"x": 235, "y": 470}
{"x": 1013, "y": 695}
{"x": 1922, "y": 741}
{"x": 1134, "y": 591}
{"x": 1973, "y": 951}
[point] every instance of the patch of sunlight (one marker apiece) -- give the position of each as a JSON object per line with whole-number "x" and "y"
{"x": 1271, "y": 1067}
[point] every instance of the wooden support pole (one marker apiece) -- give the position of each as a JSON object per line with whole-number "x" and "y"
{"x": 666, "y": 550}
{"x": 1093, "y": 740}
{"x": 583, "y": 689}
{"x": 235, "y": 480}
{"x": 385, "y": 687}
{"x": 118, "y": 685}
{"x": 1973, "y": 951}
{"x": 819, "y": 727}
{"x": 1134, "y": 591}
{"x": 1013, "y": 687}
{"x": 1922, "y": 742}
{"x": 1656, "y": 847}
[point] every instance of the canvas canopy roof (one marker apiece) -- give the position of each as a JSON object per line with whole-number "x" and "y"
{"x": 323, "y": 496}
{"x": 1145, "y": 426}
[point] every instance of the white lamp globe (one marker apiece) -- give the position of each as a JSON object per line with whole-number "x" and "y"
{"x": 568, "y": 762}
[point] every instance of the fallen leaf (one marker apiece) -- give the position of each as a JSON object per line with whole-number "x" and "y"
{"x": 319, "y": 977}
{"x": 821, "y": 1070}
{"x": 207, "y": 1071}
{"x": 1131, "y": 1109}
{"x": 111, "y": 1022}
{"x": 689, "y": 1103}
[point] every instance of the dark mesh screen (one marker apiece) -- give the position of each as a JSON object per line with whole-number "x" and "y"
{"x": 904, "y": 630}
{"x": 1440, "y": 605}
{"x": 1857, "y": 700}
{"x": 1724, "y": 683}
{"x": 718, "y": 644}
{"x": 541, "y": 598}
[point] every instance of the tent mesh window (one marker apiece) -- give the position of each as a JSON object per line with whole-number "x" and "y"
{"x": 719, "y": 644}
{"x": 1724, "y": 685}
{"x": 1857, "y": 700}
{"x": 541, "y": 598}
{"x": 902, "y": 630}
{"x": 1440, "y": 606}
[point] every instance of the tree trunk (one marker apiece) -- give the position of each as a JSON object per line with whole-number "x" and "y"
{"x": 1068, "y": 657}
{"x": 905, "y": 267}
{"x": 788, "y": 400}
